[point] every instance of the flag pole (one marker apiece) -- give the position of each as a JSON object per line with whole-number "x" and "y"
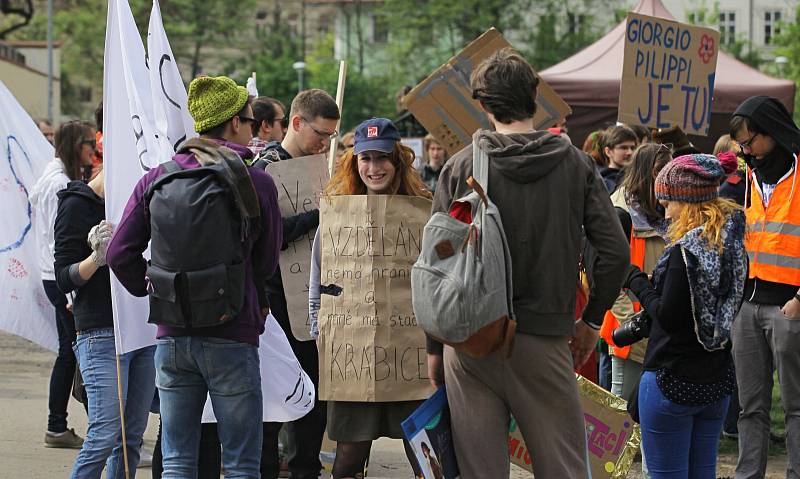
{"x": 339, "y": 101}
{"x": 122, "y": 419}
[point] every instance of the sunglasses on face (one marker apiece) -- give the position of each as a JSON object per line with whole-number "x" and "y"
{"x": 92, "y": 143}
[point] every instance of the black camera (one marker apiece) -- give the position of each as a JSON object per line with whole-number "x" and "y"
{"x": 633, "y": 331}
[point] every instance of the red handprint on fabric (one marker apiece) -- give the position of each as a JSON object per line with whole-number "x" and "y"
{"x": 707, "y": 48}
{"x": 16, "y": 269}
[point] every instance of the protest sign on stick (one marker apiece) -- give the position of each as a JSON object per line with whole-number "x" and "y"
{"x": 300, "y": 183}
{"x": 612, "y": 437}
{"x": 668, "y": 74}
{"x": 370, "y": 346}
{"x": 24, "y": 152}
{"x": 444, "y": 105}
{"x": 339, "y": 103}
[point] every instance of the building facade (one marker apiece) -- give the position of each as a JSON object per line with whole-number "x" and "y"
{"x": 23, "y": 69}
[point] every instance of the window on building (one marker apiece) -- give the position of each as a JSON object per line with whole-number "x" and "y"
{"x": 772, "y": 20}
{"x": 576, "y": 23}
{"x": 261, "y": 15}
{"x": 324, "y": 25}
{"x": 727, "y": 27}
{"x": 380, "y": 29}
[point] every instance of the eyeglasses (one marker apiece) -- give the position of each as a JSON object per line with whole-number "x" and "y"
{"x": 247, "y": 119}
{"x": 283, "y": 121}
{"x": 92, "y": 143}
{"x": 668, "y": 146}
{"x": 747, "y": 143}
{"x": 322, "y": 134}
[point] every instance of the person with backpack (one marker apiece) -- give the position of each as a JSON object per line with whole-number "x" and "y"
{"x": 312, "y": 123}
{"x": 74, "y": 150}
{"x": 690, "y": 306}
{"x": 548, "y": 193}
{"x": 81, "y": 237}
{"x": 378, "y": 164}
{"x": 216, "y": 234}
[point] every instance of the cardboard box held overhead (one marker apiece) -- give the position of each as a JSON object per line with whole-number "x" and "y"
{"x": 443, "y": 102}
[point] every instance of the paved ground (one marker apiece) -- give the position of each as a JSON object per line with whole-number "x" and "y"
{"x": 24, "y": 376}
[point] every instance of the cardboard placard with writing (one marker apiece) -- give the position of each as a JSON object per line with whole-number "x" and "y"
{"x": 370, "y": 346}
{"x": 668, "y": 74}
{"x": 612, "y": 437}
{"x": 443, "y": 102}
{"x": 300, "y": 182}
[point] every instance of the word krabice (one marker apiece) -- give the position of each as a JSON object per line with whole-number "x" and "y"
{"x": 358, "y": 241}
{"x": 349, "y": 362}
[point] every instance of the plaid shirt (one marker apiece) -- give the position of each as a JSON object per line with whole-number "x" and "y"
{"x": 256, "y": 145}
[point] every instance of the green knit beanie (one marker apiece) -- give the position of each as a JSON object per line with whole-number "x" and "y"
{"x": 214, "y": 100}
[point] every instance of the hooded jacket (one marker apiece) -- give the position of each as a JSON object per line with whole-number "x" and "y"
{"x": 45, "y": 204}
{"x": 771, "y": 117}
{"x": 79, "y": 209}
{"x": 132, "y": 235}
{"x": 548, "y": 193}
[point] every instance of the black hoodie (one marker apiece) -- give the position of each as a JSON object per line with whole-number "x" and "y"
{"x": 79, "y": 209}
{"x": 770, "y": 116}
{"x": 547, "y": 192}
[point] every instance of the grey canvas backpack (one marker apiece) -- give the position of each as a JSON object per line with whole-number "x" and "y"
{"x": 461, "y": 283}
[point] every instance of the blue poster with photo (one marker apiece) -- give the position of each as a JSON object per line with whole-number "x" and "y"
{"x": 428, "y": 432}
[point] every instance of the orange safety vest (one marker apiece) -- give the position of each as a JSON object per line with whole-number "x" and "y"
{"x": 772, "y": 240}
{"x": 610, "y": 322}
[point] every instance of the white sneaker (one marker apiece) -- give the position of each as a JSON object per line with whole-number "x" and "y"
{"x": 145, "y": 460}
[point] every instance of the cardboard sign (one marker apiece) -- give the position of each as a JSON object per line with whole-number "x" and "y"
{"x": 300, "y": 182}
{"x": 668, "y": 74}
{"x": 443, "y": 102}
{"x": 370, "y": 347}
{"x": 611, "y": 435}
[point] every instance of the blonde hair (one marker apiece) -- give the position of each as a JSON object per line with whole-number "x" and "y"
{"x": 712, "y": 215}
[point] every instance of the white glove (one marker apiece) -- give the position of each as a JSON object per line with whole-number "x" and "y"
{"x": 99, "y": 233}
{"x": 98, "y": 239}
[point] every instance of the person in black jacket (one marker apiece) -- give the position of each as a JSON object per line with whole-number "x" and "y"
{"x": 699, "y": 284}
{"x": 312, "y": 127}
{"x": 81, "y": 239}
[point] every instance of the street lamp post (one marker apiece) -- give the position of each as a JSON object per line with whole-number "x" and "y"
{"x": 300, "y": 67}
{"x": 781, "y": 61}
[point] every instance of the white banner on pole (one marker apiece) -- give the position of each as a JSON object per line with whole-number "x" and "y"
{"x": 138, "y": 134}
{"x": 24, "y": 151}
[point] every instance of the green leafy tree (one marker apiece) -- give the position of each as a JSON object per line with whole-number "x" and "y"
{"x": 788, "y": 41}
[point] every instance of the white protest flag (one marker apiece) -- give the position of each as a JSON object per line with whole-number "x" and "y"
{"x": 138, "y": 136}
{"x": 24, "y": 151}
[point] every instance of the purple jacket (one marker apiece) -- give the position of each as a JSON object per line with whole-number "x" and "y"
{"x": 132, "y": 236}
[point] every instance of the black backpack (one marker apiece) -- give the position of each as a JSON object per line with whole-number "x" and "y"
{"x": 199, "y": 221}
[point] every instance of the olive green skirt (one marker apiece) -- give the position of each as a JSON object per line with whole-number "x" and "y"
{"x": 366, "y": 421}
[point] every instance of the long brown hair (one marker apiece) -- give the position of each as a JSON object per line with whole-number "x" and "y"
{"x": 347, "y": 181}
{"x": 640, "y": 177}
{"x": 69, "y": 142}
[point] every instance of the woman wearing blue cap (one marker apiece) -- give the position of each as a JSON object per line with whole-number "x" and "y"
{"x": 378, "y": 164}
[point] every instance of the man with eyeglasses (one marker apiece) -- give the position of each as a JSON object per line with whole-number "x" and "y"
{"x": 766, "y": 332}
{"x": 312, "y": 128}
{"x": 270, "y": 125}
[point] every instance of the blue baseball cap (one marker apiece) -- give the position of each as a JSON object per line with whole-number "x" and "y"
{"x": 375, "y": 134}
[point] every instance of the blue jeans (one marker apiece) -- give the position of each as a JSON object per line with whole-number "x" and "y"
{"x": 679, "y": 441}
{"x": 187, "y": 368}
{"x": 103, "y": 445}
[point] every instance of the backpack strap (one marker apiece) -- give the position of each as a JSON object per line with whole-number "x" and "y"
{"x": 233, "y": 173}
{"x": 167, "y": 169}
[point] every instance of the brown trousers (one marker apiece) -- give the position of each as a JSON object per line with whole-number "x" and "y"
{"x": 537, "y": 385}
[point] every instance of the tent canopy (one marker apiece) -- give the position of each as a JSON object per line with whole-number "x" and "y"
{"x": 589, "y": 81}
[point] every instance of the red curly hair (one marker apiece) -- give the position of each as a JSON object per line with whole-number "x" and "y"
{"x": 347, "y": 181}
